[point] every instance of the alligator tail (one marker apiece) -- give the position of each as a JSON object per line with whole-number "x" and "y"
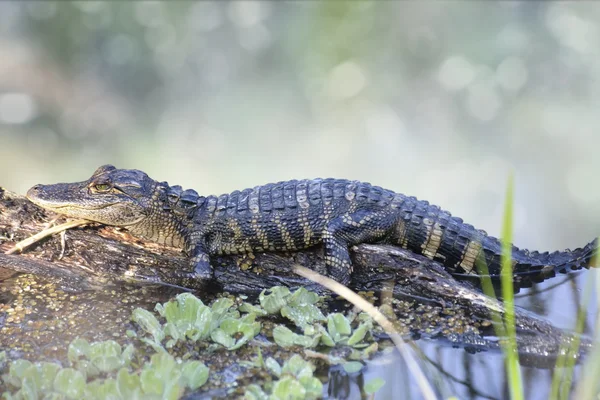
{"x": 531, "y": 267}
{"x": 558, "y": 261}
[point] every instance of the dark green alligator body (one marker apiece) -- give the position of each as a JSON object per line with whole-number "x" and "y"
{"x": 293, "y": 215}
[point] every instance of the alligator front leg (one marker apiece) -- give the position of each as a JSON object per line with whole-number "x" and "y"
{"x": 337, "y": 259}
{"x": 200, "y": 261}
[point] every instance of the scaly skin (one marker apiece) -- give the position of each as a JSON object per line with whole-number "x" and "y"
{"x": 293, "y": 215}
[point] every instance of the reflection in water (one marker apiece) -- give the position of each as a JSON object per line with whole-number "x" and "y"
{"x": 343, "y": 385}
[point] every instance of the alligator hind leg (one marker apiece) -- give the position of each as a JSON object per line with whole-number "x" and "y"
{"x": 360, "y": 227}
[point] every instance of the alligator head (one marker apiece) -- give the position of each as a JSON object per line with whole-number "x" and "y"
{"x": 120, "y": 197}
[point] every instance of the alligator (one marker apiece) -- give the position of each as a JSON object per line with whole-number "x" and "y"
{"x": 291, "y": 216}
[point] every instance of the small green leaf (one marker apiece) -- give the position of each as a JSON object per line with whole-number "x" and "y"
{"x": 252, "y": 309}
{"x": 288, "y": 388}
{"x": 359, "y": 333}
{"x": 29, "y": 390}
{"x": 17, "y": 370}
{"x": 195, "y": 374}
{"x": 32, "y": 382}
{"x": 326, "y": 339}
{"x": 88, "y": 369}
{"x": 221, "y": 306}
{"x": 151, "y": 382}
{"x": 164, "y": 364}
{"x": 298, "y": 367}
{"x": 221, "y": 337}
{"x": 273, "y": 366}
{"x": 312, "y": 385}
{"x": 78, "y": 348}
{"x": 302, "y": 315}
{"x": 369, "y": 351}
{"x": 69, "y": 382}
{"x": 127, "y": 354}
{"x": 303, "y": 297}
{"x": 107, "y": 364}
{"x": 161, "y": 376}
{"x": 130, "y": 333}
{"x": 273, "y": 302}
{"x": 102, "y": 390}
{"x": 106, "y": 356}
{"x": 352, "y": 367}
{"x": 373, "y": 385}
{"x": 128, "y": 385}
{"x": 338, "y": 326}
{"x": 48, "y": 373}
{"x": 254, "y": 392}
{"x": 108, "y": 348}
{"x": 283, "y": 336}
{"x": 148, "y": 322}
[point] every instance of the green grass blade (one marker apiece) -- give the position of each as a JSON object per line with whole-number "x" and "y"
{"x": 513, "y": 369}
{"x": 505, "y": 329}
{"x": 588, "y": 386}
{"x": 562, "y": 378}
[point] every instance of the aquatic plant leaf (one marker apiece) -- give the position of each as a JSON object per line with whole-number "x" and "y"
{"x": 78, "y": 348}
{"x": 338, "y": 326}
{"x": 352, "y": 367}
{"x": 31, "y": 383}
{"x": 273, "y": 366}
{"x": 128, "y": 385}
{"x": 252, "y": 309}
{"x": 221, "y": 306}
{"x": 195, "y": 374}
{"x": 298, "y": 367}
{"x": 326, "y": 339}
{"x": 151, "y": 382}
{"x": 186, "y": 316}
{"x": 313, "y": 386}
{"x": 149, "y": 323}
{"x": 223, "y": 338}
{"x": 373, "y": 385}
{"x": 48, "y": 372}
{"x": 127, "y": 354}
{"x": 69, "y": 382}
{"x": 288, "y": 388}
{"x": 302, "y": 315}
{"x": 29, "y": 390}
{"x": 161, "y": 375}
{"x": 102, "y": 390}
{"x": 254, "y": 392}
{"x": 17, "y": 370}
{"x": 106, "y": 356}
{"x": 187, "y": 307}
{"x": 302, "y": 297}
{"x": 284, "y": 337}
{"x": 88, "y": 369}
{"x": 359, "y": 333}
{"x": 273, "y": 302}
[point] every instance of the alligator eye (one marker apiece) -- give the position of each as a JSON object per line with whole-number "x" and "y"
{"x": 102, "y": 187}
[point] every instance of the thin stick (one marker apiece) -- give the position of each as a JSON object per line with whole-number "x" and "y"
{"x": 387, "y": 326}
{"x": 23, "y": 244}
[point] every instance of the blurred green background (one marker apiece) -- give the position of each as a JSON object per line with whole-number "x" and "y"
{"x": 440, "y": 100}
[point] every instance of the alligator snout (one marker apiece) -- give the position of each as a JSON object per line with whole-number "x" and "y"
{"x": 34, "y": 192}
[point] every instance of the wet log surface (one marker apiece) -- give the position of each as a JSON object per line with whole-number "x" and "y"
{"x": 87, "y": 284}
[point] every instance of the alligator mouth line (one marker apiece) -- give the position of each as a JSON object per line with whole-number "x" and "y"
{"x": 72, "y": 206}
